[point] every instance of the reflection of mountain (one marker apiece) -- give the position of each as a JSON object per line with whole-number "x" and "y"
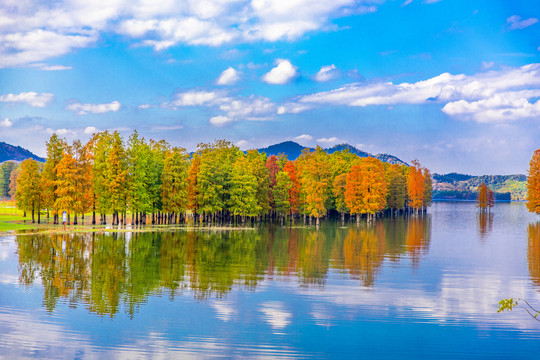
{"x": 114, "y": 272}
{"x": 533, "y": 253}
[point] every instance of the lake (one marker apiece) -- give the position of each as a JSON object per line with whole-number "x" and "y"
{"x": 418, "y": 287}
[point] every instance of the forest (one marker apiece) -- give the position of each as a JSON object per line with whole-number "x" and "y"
{"x": 156, "y": 183}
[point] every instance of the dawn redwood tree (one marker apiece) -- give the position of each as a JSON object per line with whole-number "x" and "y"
{"x": 13, "y": 182}
{"x": 397, "y": 187}
{"x": 139, "y": 164}
{"x": 273, "y": 170}
{"x": 192, "y": 188}
{"x": 257, "y": 164}
{"x": 5, "y": 172}
{"x": 66, "y": 184}
{"x": 243, "y": 189}
{"x": 316, "y": 182}
{"x": 338, "y": 189}
{"x": 366, "y": 187}
{"x": 296, "y": 188}
{"x": 482, "y": 197}
{"x": 117, "y": 173}
{"x": 428, "y": 188}
{"x": 415, "y": 186}
{"x": 28, "y": 193}
{"x": 55, "y": 151}
{"x": 281, "y": 194}
{"x": 102, "y": 197}
{"x": 533, "y": 184}
{"x": 174, "y": 181}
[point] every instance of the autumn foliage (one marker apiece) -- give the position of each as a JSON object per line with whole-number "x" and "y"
{"x": 533, "y": 184}
{"x": 160, "y": 184}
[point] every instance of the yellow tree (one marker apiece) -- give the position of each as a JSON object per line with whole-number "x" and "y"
{"x": 66, "y": 184}
{"x": 533, "y": 184}
{"x": 316, "y": 182}
{"x": 28, "y": 191}
{"x": 415, "y": 186}
{"x": 366, "y": 188}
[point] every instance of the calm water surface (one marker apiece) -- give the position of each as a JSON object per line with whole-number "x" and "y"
{"x": 423, "y": 287}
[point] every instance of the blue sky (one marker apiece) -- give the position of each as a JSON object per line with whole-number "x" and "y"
{"x": 452, "y": 83}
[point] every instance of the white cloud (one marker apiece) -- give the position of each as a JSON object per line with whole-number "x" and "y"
{"x": 487, "y": 65}
{"x": 332, "y": 140}
{"x": 515, "y": 22}
{"x": 6, "y": 123}
{"x": 220, "y": 120}
{"x": 196, "y": 98}
{"x": 303, "y": 137}
{"x": 89, "y": 130}
{"x": 327, "y": 73}
{"x": 34, "y": 31}
{"x": 488, "y": 96}
{"x": 61, "y": 132}
{"x": 281, "y": 74}
{"x": 31, "y": 98}
{"x": 143, "y": 106}
{"x": 46, "y": 67}
{"x": 228, "y": 77}
{"x": 82, "y": 109}
{"x": 251, "y": 108}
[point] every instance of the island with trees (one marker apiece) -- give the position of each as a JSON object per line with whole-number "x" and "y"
{"x": 152, "y": 182}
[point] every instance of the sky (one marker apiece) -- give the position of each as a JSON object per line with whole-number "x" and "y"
{"x": 452, "y": 83}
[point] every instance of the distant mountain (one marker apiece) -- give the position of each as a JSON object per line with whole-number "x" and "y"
{"x": 464, "y": 187}
{"x": 293, "y": 151}
{"x": 16, "y": 153}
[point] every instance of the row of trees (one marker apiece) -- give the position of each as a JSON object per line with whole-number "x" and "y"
{"x": 216, "y": 183}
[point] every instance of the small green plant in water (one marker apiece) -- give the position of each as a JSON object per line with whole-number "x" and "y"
{"x": 510, "y": 304}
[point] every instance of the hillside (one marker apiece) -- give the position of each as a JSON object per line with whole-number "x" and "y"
{"x": 463, "y": 187}
{"x": 293, "y": 151}
{"x": 17, "y": 153}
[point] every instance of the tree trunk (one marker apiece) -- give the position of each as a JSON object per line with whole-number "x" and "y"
{"x": 33, "y": 220}
{"x": 75, "y": 219}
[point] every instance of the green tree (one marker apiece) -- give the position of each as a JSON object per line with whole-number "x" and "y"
{"x": 5, "y": 172}
{"x": 28, "y": 193}
{"x": 174, "y": 181}
{"x": 281, "y": 193}
{"x": 117, "y": 173}
{"x": 243, "y": 190}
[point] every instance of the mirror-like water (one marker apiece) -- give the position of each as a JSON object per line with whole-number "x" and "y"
{"x": 419, "y": 287}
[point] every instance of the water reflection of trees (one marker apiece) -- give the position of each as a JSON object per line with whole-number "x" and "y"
{"x": 533, "y": 252}
{"x": 110, "y": 272}
{"x": 485, "y": 223}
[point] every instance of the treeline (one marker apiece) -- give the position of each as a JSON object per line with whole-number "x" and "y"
{"x": 160, "y": 184}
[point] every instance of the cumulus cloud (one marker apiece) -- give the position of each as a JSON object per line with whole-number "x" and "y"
{"x": 234, "y": 108}
{"x": 515, "y": 22}
{"x": 89, "y": 130}
{"x": 281, "y": 74}
{"x": 228, "y": 77}
{"x": 220, "y": 120}
{"x": 491, "y": 96}
{"x": 327, "y": 73}
{"x": 82, "y": 109}
{"x": 195, "y": 98}
{"x": 331, "y": 140}
{"x": 34, "y": 31}
{"x": 31, "y": 98}
{"x": 6, "y": 123}
{"x": 303, "y": 137}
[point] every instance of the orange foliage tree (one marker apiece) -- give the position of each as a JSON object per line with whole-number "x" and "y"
{"x": 533, "y": 184}
{"x": 366, "y": 187}
{"x": 415, "y": 186}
